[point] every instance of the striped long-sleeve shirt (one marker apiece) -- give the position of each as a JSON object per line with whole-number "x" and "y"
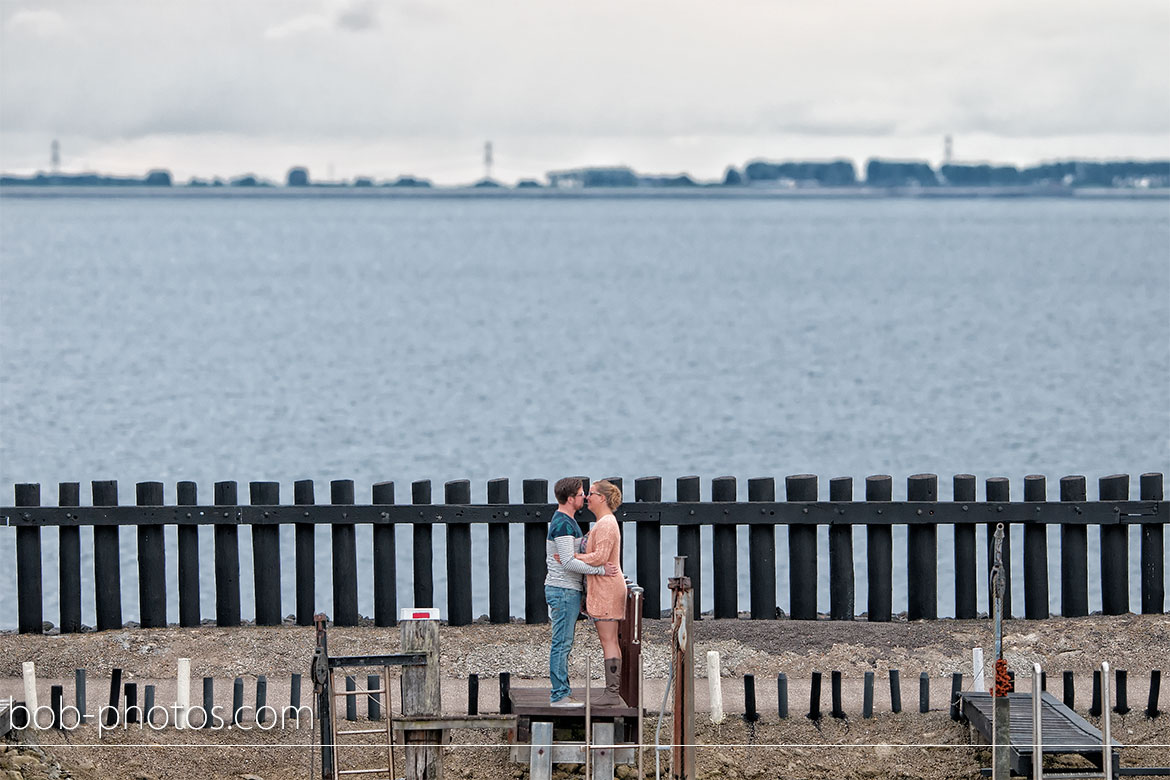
{"x": 562, "y": 540}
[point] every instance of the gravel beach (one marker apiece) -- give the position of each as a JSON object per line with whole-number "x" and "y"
{"x": 907, "y": 744}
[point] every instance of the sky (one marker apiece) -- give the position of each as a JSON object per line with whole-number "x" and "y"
{"x": 359, "y": 88}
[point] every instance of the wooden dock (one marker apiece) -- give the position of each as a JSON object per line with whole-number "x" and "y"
{"x": 1064, "y": 732}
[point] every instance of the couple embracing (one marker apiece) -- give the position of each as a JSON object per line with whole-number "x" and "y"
{"x": 594, "y": 567}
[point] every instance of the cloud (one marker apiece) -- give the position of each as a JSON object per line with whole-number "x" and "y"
{"x": 41, "y": 23}
{"x": 357, "y": 16}
{"x": 351, "y": 16}
{"x": 297, "y": 25}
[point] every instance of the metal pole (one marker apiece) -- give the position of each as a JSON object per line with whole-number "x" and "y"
{"x": 1107, "y": 741}
{"x": 682, "y": 757}
{"x": 588, "y": 713}
{"x": 1037, "y": 728}
{"x": 1001, "y": 708}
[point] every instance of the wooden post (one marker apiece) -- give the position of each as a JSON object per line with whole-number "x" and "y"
{"x": 999, "y": 490}
{"x": 682, "y": 752}
{"x": 841, "y": 587}
{"x": 152, "y": 561}
{"x": 802, "y": 551}
{"x": 30, "y": 611}
{"x": 421, "y": 696}
{"x": 879, "y": 553}
{"x": 499, "y": 580}
{"x": 107, "y": 561}
{"x": 385, "y": 562}
{"x": 649, "y": 548}
{"x": 424, "y": 553}
{"x": 458, "y": 557}
{"x": 306, "y": 555}
{"x": 1035, "y": 554}
{"x": 345, "y": 601}
{"x": 535, "y": 491}
{"x": 227, "y": 558}
{"x": 266, "y": 556}
{"x": 762, "y": 554}
{"x": 1153, "y": 564}
{"x": 965, "y": 566}
{"x": 189, "y": 610}
{"x": 69, "y": 552}
{"x": 1114, "y": 550}
{"x": 922, "y": 553}
{"x": 689, "y": 543}
{"x": 725, "y": 554}
{"x": 1074, "y": 554}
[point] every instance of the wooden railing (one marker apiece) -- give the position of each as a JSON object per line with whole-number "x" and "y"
{"x": 801, "y": 513}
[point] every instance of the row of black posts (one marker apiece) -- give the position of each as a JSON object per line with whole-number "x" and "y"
{"x": 801, "y": 513}
{"x": 1121, "y": 695}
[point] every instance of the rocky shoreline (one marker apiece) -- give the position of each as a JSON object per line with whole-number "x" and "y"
{"x": 907, "y": 744}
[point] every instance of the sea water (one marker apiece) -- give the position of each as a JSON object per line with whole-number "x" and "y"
{"x": 400, "y": 339}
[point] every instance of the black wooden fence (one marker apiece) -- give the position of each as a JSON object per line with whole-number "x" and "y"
{"x": 802, "y": 513}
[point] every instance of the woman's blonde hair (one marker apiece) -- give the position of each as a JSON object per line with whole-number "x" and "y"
{"x": 612, "y": 493}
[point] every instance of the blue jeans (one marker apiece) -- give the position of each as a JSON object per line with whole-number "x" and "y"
{"x": 563, "y": 606}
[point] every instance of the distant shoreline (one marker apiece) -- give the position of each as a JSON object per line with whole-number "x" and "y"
{"x": 588, "y": 193}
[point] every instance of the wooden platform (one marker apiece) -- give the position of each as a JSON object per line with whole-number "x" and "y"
{"x": 533, "y": 702}
{"x": 1064, "y": 732}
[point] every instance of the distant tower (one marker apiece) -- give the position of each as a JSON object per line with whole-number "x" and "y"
{"x": 55, "y": 155}
{"x": 487, "y": 160}
{"x": 948, "y": 150}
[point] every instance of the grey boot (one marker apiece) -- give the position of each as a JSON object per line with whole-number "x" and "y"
{"x": 613, "y": 681}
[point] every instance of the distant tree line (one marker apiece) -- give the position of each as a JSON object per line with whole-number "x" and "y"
{"x": 919, "y": 173}
{"x": 792, "y": 173}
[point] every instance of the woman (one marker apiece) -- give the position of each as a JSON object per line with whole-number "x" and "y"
{"x": 605, "y": 596}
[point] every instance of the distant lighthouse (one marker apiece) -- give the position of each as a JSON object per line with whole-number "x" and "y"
{"x": 948, "y": 150}
{"x": 55, "y": 156}
{"x": 487, "y": 160}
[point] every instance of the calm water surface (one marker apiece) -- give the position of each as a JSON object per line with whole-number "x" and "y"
{"x": 232, "y": 339}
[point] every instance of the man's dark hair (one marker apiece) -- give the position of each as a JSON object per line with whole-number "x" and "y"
{"x": 566, "y": 488}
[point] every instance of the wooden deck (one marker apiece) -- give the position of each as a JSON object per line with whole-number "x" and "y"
{"x": 533, "y": 702}
{"x": 1063, "y": 731}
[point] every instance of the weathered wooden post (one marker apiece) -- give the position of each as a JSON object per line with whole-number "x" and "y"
{"x": 189, "y": 610}
{"x": 1001, "y": 712}
{"x": 762, "y": 554}
{"x": 802, "y": 552}
{"x": 421, "y": 696}
{"x": 922, "y": 553}
{"x": 964, "y": 492}
{"x": 227, "y": 557}
{"x": 28, "y": 566}
{"x": 385, "y": 565}
{"x": 69, "y": 554}
{"x": 344, "y": 549}
{"x": 879, "y": 553}
{"x": 266, "y": 556}
{"x": 725, "y": 554}
{"x": 305, "y": 556}
{"x": 152, "y": 561}
{"x": 689, "y": 542}
{"x": 841, "y": 555}
{"x": 682, "y": 751}
{"x": 498, "y": 544}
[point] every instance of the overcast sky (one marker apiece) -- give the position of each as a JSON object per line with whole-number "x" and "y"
{"x": 388, "y": 88}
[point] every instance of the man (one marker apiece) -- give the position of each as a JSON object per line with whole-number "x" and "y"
{"x": 563, "y": 585}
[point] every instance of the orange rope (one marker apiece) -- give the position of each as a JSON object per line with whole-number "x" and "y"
{"x": 1003, "y": 683}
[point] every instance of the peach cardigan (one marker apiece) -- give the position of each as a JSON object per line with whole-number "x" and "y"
{"x": 605, "y": 596}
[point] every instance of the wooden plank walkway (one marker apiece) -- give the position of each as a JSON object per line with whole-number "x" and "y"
{"x": 1064, "y": 731}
